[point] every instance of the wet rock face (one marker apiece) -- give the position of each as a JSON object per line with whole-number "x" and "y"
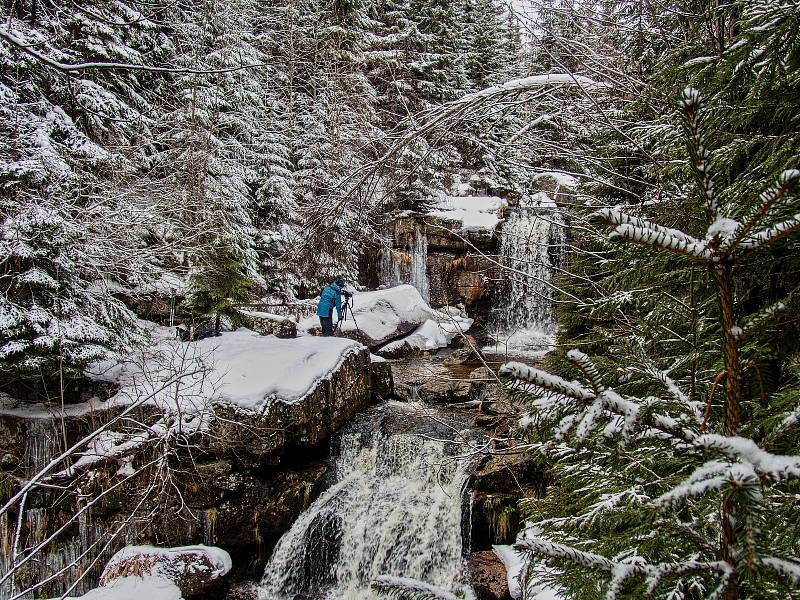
{"x": 457, "y": 273}
{"x": 265, "y": 438}
{"x": 382, "y": 381}
{"x": 499, "y": 483}
{"x": 488, "y": 576}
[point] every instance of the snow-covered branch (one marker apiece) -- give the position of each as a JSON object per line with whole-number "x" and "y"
{"x": 621, "y": 571}
{"x": 20, "y": 44}
{"x": 653, "y": 238}
{"x": 403, "y": 588}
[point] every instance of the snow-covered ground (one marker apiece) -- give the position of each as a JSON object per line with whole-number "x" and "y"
{"x": 134, "y": 588}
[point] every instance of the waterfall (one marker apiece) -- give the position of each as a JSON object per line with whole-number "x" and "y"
{"x": 397, "y": 267}
{"x": 419, "y": 264}
{"x": 531, "y": 241}
{"x": 395, "y": 509}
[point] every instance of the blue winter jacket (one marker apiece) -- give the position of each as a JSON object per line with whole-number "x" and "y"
{"x": 330, "y": 297}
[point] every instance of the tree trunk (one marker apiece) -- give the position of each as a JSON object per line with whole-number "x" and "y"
{"x": 733, "y": 414}
{"x": 733, "y": 369}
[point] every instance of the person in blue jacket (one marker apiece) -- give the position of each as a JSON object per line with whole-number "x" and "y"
{"x": 330, "y": 298}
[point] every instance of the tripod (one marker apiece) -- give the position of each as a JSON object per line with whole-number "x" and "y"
{"x": 346, "y": 305}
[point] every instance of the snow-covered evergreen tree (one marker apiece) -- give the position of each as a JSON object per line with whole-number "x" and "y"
{"x": 663, "y": 490}
{"x": 56, "y": 314}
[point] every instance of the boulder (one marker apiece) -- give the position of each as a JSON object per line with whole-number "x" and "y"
{"x": 265, "y": 436}
{"x": 382, "y": 379}
{"x": 435, "y": 391}
{"x": 267, "y": 323}
{"x": 468, "y": 354}
{"x": 192, "y": 569}
{"x": 488, "y": 577}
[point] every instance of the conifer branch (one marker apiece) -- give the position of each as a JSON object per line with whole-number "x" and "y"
{"x": 786, "y": 184}
{"x": 771, "y": 234}
{"x": 614, "y": 217}
{"x": 108, "y": 66}
{"x": 765, "y": 315}
{"x": 622, "y": 570}
{"x": 699, "y": 155}
{"x": 659, "y": 240}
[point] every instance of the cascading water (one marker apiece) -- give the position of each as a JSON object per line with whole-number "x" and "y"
{"x": 523, "y": 320}
{"x": 411, "y": 266}
{"x": 395, "y": 509}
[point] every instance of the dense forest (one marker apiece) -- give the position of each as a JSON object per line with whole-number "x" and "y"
{"x": 213, "y": 154}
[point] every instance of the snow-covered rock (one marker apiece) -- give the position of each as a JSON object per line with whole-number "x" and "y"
{"x": 134, "y": 588}
{"x": 268, "y": 323}
{"x": 255, "y": 394}
{"x": 239, "y": 368}
{"x": 473, "y": 213}
{"x": 192, "y": 569}
{"x": 434, "y": 333}
{"x": 381, "y": 315}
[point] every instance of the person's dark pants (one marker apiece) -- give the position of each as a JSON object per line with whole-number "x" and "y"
{"x": 327, "y": 324}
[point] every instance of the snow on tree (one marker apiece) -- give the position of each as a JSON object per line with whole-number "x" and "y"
{"x": 724, "y": 487}
{"x": 56, "y": 314}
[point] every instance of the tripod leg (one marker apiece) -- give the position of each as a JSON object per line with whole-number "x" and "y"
{"x": 354, "y": 319}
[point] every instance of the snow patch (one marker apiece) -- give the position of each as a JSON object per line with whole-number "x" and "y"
{"x": 134, "y": 588}
{"x": 475, "y": 213}
{"x": 562, "y": 179}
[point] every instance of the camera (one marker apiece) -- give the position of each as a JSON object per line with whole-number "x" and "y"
{"x": 347, "y": 294}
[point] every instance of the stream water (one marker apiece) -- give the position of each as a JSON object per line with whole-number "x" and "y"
{"x": 398, "y": 508}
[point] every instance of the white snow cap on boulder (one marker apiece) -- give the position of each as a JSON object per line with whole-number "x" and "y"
{"x": 191, "y": 569}
{"x": 437, "y": 332}
{"x": 383, "y": 315}
{"x": 133, "y": 588}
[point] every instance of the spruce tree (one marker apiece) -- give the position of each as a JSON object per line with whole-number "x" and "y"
{"x": 668, "y": 492}
{"x": 56, "y": 316}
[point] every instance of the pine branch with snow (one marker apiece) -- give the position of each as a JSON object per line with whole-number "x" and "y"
{"x": 403, "y": 588}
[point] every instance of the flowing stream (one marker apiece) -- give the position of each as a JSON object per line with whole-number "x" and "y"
{"x": 394, "y": 510}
